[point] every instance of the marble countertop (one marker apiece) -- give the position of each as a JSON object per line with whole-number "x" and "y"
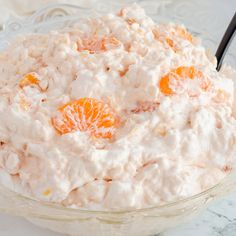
{"x": 217, "y": 220}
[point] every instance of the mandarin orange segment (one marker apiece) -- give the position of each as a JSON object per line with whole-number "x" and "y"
{"x": 29, "y": 79}
{"x": 187, "y": 72}
{"x": 122, "y": 73}
{"x": 182, "y": 72}
{"x": 96, "y": 45}
{"x": 182, "y": 32}
{"x": 163, "y": 39}
{"x": 164, "y": 85}
{"x": 178, "y": 32}
{"x": 87, "y": 114}
{"x": 170, "y": 42}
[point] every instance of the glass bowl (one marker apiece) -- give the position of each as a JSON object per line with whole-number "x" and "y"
{"x": 198, "y": 16}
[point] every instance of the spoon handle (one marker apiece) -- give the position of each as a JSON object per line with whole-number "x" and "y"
{"x": 225, "y": 42}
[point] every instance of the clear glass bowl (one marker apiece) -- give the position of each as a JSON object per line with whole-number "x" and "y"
{"x": 198, "y": 16}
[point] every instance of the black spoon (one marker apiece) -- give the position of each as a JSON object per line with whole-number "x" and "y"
{"x": 225, "y": 42}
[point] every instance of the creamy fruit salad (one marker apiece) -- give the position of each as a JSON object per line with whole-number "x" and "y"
{"x": 114, "y": 112}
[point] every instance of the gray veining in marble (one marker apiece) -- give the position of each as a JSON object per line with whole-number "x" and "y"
{"x": 218, "y": 220}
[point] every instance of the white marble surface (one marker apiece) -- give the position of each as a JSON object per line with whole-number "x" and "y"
{"x": 218, "y": 220}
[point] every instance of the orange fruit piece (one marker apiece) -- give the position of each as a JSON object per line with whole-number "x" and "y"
{"x": 179, "y": 32}
{"x": 87, "y": 114}
{"x": 96, "y": 45}
{"x": 29, "y": 79}
{"x": 163, "y": 39}
{"x": 182, "y": 32}
{"x": 170, "y": 42}
{"x": 182, "y": 72}
{"x": 123, "y": 72}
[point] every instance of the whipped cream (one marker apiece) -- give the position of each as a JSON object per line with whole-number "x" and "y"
{"x": 167, "y": 146}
